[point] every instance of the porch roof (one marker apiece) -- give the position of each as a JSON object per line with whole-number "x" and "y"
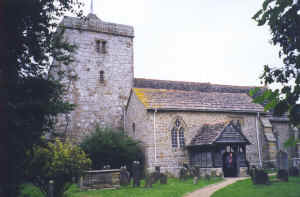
{"x": 226, "y": 133}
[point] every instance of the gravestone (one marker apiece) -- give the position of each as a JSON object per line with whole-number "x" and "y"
{"x": 136, "y": 173}
{"x": 259, "y": 176}
{"x": 163, "y": 179}
{"x": 282, "y": 160}
{"x": 195, "y": 180}
{"x": 294, "y": 171}
{"x": 183, "y": 174}
{"x": 283, "y": 175}
{"x": 283, "y": 166}
{"x": 124, "y": 176}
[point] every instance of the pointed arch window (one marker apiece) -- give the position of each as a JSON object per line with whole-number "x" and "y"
{"x": 177, "y": 134}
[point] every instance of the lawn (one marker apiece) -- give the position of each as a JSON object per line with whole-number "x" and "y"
{"x": 245, "y": 188}
{"x": 174, "y": 188}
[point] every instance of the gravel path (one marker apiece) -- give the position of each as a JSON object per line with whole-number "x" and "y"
{"x": 209, "y": 190}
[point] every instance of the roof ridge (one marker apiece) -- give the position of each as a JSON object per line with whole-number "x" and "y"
{"x": 198, "y": 83}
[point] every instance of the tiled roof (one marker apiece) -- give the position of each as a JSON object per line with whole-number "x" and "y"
{"x": 189, "y": 86}
{"x": 219, "y": 133}
{"x": 163, "y": 99}
{"x": 207, "y": 134}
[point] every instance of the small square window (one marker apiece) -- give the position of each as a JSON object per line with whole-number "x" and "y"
{"x": 101, "y": 77}
{"x": 101, "y": 46}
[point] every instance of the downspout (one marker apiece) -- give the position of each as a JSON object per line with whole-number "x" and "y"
{"x": 124, "y": 116}
{"x": 258, "y": 141}
{"x": 154, "y": 133}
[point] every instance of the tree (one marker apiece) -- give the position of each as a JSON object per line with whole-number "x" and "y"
{"x": 111, "y": 147}
{"x": 28, "y": 99}
{"x": 59, "y": 162}
{"x": 283, "y": 19}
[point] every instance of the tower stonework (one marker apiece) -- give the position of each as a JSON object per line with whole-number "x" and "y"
{"x": 100, "y": 78}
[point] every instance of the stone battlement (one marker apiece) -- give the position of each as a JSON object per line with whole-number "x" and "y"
{"x": 94, "y": 24}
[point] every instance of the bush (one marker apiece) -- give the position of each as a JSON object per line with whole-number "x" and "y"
{"x": 111, "y": 147}
{"x": 57, "y": 161}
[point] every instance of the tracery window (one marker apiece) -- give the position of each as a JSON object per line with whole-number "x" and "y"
{"x": 177, "y": 134}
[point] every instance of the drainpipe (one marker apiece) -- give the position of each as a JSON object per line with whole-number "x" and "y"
{"x": 124, "y": 116}
{"x": 154, "y": 133}
{"x": 258, "y": 142}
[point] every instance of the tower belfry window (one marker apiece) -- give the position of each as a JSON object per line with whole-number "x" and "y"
{"x": 101, "y": 78}
{"x": 101, "y": 46}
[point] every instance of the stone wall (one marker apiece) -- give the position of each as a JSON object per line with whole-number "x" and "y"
{"x": 98, "y": 101}
{"x": 171, "y": 159}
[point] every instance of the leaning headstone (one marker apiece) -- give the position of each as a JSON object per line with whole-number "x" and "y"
{"x": 163, "y": 179}
{"x": 124, "y": 176}
{"x": 136, "y": 173}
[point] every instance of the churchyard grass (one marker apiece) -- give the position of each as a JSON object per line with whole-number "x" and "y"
{"x": 245, "y": 188}
{"x": 174, "y": 188}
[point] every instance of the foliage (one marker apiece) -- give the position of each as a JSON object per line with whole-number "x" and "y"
{"x": 30, "y": 190}
{"x": 245, "y": 188}
{"x": 283, "y": 19}
{"x": 112, "y": 147}
{"x": 60, "y": 162}
{"x": 28, "y": 99}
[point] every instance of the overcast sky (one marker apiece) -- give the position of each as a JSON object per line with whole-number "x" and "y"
{"x": 212, "y": 41}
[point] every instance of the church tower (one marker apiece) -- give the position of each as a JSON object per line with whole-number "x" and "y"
{"x": 100, "y": 78}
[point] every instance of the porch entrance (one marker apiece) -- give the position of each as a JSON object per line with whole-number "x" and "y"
{"x": 219, "y": 146}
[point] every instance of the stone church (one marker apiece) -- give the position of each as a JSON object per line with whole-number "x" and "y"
{"x": 201, "y": 124}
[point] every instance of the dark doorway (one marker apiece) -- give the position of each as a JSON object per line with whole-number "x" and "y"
{"x": 230, "y": 164}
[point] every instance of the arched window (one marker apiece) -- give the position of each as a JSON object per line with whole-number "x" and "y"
{"x": 101, "y": 78}
{"x": 177, "y": 134}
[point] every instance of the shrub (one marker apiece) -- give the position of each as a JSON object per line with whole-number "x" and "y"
{"x": 57, "y": 161}
{"x": 111, "y": 147}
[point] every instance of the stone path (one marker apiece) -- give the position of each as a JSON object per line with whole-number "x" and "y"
{"x": 209, "y": 190}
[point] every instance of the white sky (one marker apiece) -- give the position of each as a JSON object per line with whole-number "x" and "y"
{"x": 212, "y": 41}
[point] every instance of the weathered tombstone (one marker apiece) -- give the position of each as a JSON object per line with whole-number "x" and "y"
{"x": 136, "y": 173}
{"x": 259, "y": 176}
{"x": 124, "y": 176}
{"x": 183, "y": 174}
{"x": 213, "y": 173}
{"x": 294, "y": 171}
{"x": 283, "y": 166}
{"x": 283, "y": 175}
{"x": 148, "y": 181}
{"x": 207, "y": 176}
{"x": 282, "y": 160}
{"x": 195, "y": 180}
{"x": 163, "y": 179}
